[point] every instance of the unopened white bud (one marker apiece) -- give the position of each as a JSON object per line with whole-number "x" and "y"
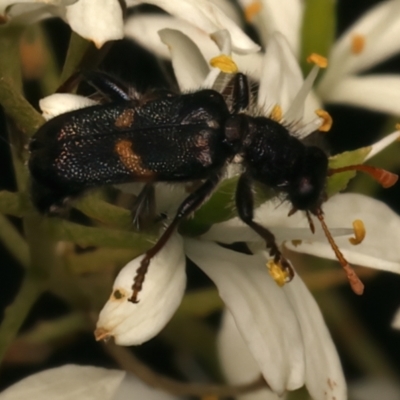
{"x": 59, "y": 103}
{"x": 163, "y": 288}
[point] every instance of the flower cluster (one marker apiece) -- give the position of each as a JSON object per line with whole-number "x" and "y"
{"x": 276, "y": 331}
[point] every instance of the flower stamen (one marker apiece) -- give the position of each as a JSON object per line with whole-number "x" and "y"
{"x": 357, "y": 43}
{"x": 318, "y": 60}
{"x": 327, "y": 120}
{"x": 359, "y": 232}
{"x": 224, "y": 63}
{"x": 279, "y": 274}
{"x": 276, "y": 113}
{"x": 252, "y": 10}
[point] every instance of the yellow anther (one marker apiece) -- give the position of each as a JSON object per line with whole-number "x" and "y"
{"x": 359, "y": 232}
{"x": 296, "y": 243}
{"x": 397, "y": 127}
{"x": 279, "y": 275}
{"x": 327, "y": 120}
{"x": 276, "y": 113}
{"x": 317, "y": 59}
{"x": 357, "y": 43}
{"x": 224, "y": 63}
{"x": 252, "y": 10}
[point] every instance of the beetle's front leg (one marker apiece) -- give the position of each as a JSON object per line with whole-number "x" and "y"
{"x": 245, "y": 208}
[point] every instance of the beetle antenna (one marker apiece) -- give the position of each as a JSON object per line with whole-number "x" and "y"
{"x": 382, "y": 176}
{"x": 310, "y": 221}
{"x": 354, "y": 280}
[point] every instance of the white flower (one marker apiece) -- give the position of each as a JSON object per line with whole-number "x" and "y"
{"x": 75, "y": 382}
{"x": 368, "y": 42}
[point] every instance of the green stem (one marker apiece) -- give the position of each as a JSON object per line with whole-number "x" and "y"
{"x": 77, "y": 48}
{"x": 13, "y": 241}
{"x": 16, "y": 313}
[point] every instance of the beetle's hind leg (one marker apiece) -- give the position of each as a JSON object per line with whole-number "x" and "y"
{"x": 144, "y": 208}
{"x": 245, "y": 208}
{"x": 188, "y": 206}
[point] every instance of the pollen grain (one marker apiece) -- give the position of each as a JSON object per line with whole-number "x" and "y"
{"x": 359, "y": 232}
{"x": 252, "y": 10}
{"x": 327, "y": 120}
{"x": 276, "y": 113}
{"x": 224, "y": 63}
{"x": 278, "y": 274}
{"x": 317, "y": 59}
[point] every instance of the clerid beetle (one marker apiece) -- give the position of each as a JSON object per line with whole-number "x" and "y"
{"x": 168, "y": 137}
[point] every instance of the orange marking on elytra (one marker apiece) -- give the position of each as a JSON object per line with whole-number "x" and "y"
{"x": 131, "y": 160}
{"x": 125, "y": 119}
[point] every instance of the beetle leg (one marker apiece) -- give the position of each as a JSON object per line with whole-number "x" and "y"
{"x": 237, "y": 93}
{"x": 241, "y": 93}
{"x": 143, "y": 209}
{"x": 107, "y": 85}
{"x": 245, "y": 208}
{"x": 188, "y": 206}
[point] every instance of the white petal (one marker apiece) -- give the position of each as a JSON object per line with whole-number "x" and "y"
{"x": 295, "y": 113}
{"x": 284, "y": 16}
{"x": 206, "y": 16}
{"x": 60, "y": 103}
{"x": 98, "y": 21}
{"x": 69, "y": 382}
{"x": 238, "y": 365}
{"x": 189, "y": 65}
{"x": 375, "y": 92}
{"x": 324, "y": 375}
{"x": 382, "y": 144}
{"x": 143, "y": 28}
{"x": 381, "y": 28}
{"x": 163, "y": 288}
{"x": 8, "y": 6}
{"x": 230, "y": 10}
{"x": 132, "y": 388}
{"x": 281, "y": 77}
{"x": 261, "y": 311}
{"x": 379, "y": 249}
